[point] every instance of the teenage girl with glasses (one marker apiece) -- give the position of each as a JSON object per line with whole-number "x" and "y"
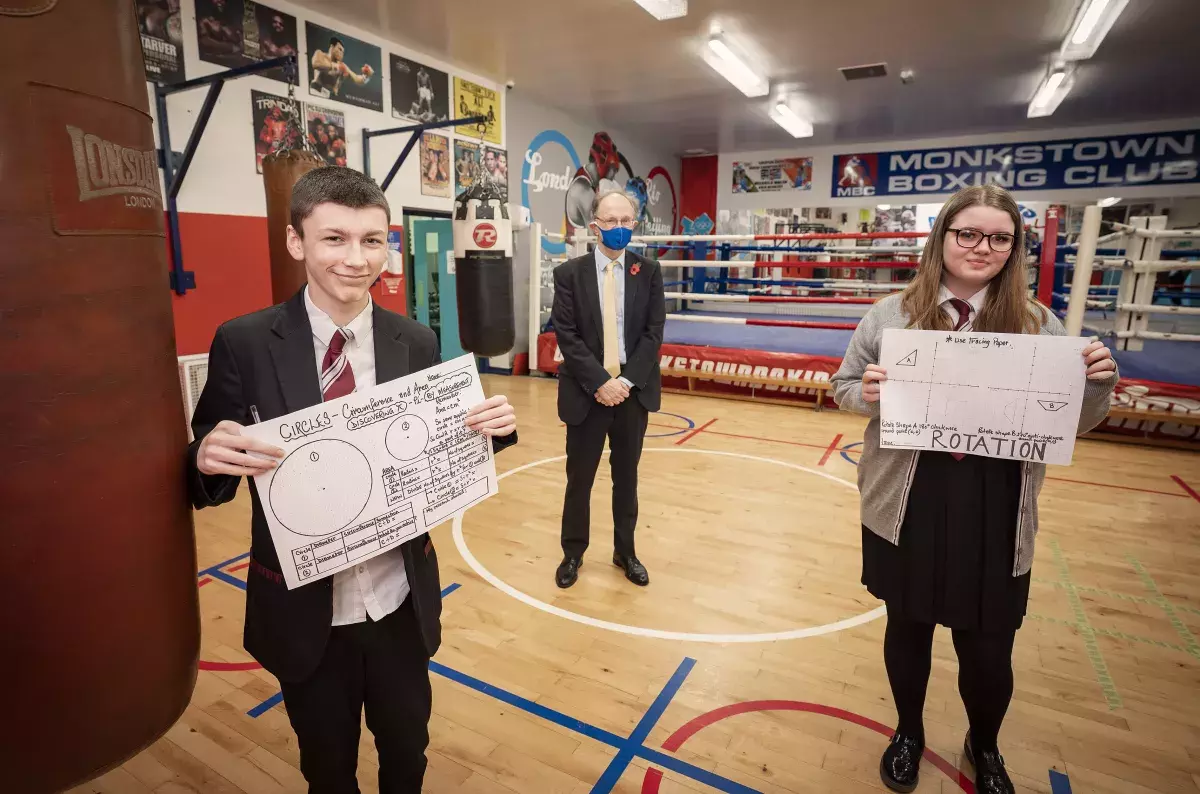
{"x": 949, "y": 541}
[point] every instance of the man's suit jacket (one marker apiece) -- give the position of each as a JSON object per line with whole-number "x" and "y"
{"x": 578, "y": 325}
{"x": 266, "y": 359}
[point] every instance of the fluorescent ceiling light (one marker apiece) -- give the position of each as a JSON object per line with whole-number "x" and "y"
{"x": 1111, "y": 201}
{"x": 1050, "y": 94}
{"x": 1092, "y": 23}
{"x": 787, "y": 118}
{"x": 883, "y": 207}
{"x": 729, "y": 65}
{"x": 664, "y": 9}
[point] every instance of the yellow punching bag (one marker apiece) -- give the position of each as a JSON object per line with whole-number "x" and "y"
{"x": 280, "y": 171}
{"x": 98, "y": 601}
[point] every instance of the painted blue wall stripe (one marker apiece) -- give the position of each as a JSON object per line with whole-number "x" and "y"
{"x": 616, "y": 767}
{"x": 1059, "y": 783}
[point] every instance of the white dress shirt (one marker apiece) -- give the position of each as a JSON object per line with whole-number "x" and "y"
{"x": 377, "y": 587}
{"x": 976, "y": 302}
{"x": 619, "y": 280}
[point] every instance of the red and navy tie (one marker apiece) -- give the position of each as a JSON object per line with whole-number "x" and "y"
{"x": 337, "y": 377}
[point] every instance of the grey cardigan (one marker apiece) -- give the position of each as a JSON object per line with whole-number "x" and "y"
{"x": 885, "y": 475}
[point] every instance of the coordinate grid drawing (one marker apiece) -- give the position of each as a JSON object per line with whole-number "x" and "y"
{"x": 999, "y": 395}
{"x": 369, "y": 471}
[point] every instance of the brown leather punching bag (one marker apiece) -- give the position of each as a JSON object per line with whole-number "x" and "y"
{"x": 99, "y": 617}
{"x": 280, "y": 171}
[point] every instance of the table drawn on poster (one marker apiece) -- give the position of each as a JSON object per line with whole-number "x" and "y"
{"x": 1015, "y": 396}
{"x": 369, "y": 471}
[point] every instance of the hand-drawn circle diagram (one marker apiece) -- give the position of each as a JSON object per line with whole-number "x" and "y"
{"x": 321, "y": 487}
{"x": 407, "y": 436}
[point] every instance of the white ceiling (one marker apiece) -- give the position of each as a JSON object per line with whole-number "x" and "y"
{"x": 977, "y": 62}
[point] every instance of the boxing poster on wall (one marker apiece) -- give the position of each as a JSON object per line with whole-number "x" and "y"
{"x": 772, "y": 176}
{"x": 162, "y": 39}
{"x": 435, "y": 165}
{"x": 235, "y": 33}
{"x": 326, "y": 130}
{"x": 343, "y": 68}
{"x": 895, "y": 219}
{"x": 495, "y": 168}
{"x": 419, "y": 92}
{"x": 468, "y": 164}
{"x": 276, "y": 125}
{"x": 470, "y": 100}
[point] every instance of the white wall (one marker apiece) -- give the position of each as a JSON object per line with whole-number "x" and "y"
{"x": 822, "y": 177}
{"x": 223, "y": 179}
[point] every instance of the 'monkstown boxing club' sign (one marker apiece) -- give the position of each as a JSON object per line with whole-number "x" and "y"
{"x": 558, "y": 186}
{"x": 1102, "y": 161}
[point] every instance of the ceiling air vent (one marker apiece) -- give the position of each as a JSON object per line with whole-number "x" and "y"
{"x": 864, "y": 72}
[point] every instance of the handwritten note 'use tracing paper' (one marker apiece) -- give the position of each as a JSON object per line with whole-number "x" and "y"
{"x": 1014, "y": 396}
{"x": 369, "y": 471}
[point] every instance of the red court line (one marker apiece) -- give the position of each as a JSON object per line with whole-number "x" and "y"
{"x": 238, "y": 567}
{"x": 203, "y": 582}
{"x": 1118, "y": 487}
{"x": 695, "y": 432}
{"x": 1185, "y": 487}
{"x": 830, "y": 449}
{"x": 650, "y": 784}
{"x": 229, "y": 667}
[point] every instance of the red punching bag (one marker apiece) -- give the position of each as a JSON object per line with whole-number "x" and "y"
{"x": 98, "y": 602}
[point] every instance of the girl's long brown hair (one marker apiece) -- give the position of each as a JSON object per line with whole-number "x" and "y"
{"x": 1008, "y": 308}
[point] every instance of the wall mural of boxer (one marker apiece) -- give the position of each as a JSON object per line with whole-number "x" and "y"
{"x": 552, "y": 165}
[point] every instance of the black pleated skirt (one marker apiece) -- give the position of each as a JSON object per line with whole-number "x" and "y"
{"x": 954, "y": 563}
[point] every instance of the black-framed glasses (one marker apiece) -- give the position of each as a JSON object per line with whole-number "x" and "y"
{"x": 998, "y": 241}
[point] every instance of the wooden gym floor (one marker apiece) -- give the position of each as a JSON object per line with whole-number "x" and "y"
{"x": 748, "y": 527}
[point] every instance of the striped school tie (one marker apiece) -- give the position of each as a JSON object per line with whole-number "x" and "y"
{"x": 337, "y": 376}
{"x": 964, "y": 316}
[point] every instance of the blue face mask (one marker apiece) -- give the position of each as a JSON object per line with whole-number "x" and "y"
{"x": 616, "y": 238}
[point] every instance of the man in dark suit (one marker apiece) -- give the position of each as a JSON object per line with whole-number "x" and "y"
{"x": 362, "y": 637}
{"x": 608, "y": 317}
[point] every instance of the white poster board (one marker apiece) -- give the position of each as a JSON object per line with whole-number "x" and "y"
{"x": 369, "y": 471}
{"x": 1014, "y": 396}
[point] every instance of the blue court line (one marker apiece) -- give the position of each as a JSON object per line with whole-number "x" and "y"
{"x": 536, "y": 709}
{"x": 266, "y": 705}
{"x": 227, "y": 578}
{"x": 450, "y": 588}
{"x": 681, "y": 431}
{"x": 848, "y": 447}
{"x": 213, "y": 571}
{"x": 1059, "y": 783}
{"x": 637, "y": 739}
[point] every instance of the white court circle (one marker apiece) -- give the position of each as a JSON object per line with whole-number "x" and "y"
{"x": 640, "y": 631}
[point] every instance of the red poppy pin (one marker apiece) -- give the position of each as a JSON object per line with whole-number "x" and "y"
{"x": 635, "y": 269}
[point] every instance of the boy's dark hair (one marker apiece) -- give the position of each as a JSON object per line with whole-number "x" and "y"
{"x": 334, "y": 185}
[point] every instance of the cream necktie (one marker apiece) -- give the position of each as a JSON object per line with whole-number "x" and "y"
{"x": 612, "y": 359}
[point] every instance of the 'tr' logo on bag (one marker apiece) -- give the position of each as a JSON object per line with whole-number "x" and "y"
{"x": 485, "y": 235}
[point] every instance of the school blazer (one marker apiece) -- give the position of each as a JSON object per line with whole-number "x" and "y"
{"x": 265, "y": 359}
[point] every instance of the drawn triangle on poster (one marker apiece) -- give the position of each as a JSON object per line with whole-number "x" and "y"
{"x": 1051, "y": 405}
{"x": 908, "y": 361}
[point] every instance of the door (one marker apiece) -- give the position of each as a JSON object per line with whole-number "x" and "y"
{"x": 434, "y": 296}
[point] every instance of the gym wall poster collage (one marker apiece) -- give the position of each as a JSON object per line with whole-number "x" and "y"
{"x": 337, "y": 68}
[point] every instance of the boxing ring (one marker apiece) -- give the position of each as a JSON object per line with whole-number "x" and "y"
{"x": 769, "y": 317}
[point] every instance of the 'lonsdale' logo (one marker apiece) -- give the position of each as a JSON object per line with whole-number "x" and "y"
{"x": 105, "y": 168}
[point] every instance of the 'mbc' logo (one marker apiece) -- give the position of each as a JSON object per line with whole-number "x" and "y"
{"x": 485, "y": 235}
{"x": 105, "y": 168}
{"x": 856, "y": 174}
